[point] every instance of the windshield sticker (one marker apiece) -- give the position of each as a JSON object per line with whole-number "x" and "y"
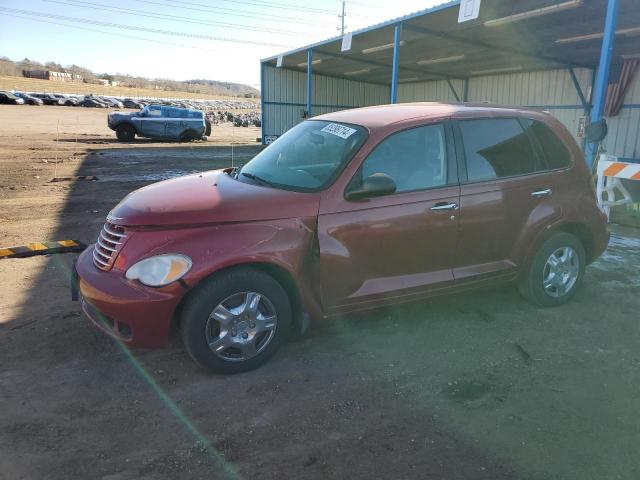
{"x": 339, "y": 130}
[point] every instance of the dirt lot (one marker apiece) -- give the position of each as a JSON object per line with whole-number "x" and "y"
{"x": 482, "y": 386}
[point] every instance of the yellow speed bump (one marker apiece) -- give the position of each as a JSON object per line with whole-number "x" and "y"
{"x": 44, "y": 248}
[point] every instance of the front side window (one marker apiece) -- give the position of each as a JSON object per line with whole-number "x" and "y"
{"x": 154, "y": 111}
{"x": 554, "y": 152}
{"x": 307, "y": 157}
{"x": 415, "y": 159}
{"x": 496, "y": 148}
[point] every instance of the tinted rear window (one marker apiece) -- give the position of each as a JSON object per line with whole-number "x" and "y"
{"x": 554, "y": 152}
{"x": 496, "y": 148}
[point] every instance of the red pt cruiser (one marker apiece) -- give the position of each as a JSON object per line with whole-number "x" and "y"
{"x": 346, "y": 212}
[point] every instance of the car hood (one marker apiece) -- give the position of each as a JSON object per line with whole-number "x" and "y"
{"x": 116, "y": 114}
{"x": 209, "y": 197}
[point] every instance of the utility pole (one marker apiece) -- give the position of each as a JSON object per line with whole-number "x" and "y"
{"x": 341, "y": 17}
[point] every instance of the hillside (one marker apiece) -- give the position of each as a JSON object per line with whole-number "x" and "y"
{"x": 36, "y": 85}
{"x": 200, "y": 88}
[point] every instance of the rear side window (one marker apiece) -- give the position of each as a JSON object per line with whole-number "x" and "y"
{"x": 496, "y": 148}
{"x": 415, "y": 159}
{"x": 554, "y": 152}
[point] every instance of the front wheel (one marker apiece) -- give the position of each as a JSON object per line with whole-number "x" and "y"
{"x": 556, "y": 271}
{"x": 236, "y": 321}
{"x": 125, "y": 133}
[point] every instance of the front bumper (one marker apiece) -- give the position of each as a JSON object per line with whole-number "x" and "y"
{"x": 138, "y": 316}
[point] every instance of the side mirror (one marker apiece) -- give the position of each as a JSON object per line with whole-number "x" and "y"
{"x": 597, "y": 131}
{"x": 375, "y": 185}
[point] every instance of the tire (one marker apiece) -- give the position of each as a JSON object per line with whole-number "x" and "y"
{"x": 125, "y": 133}
{"x": 207, "y": 127}
{"x": 188, "y": 136}
{"x": 232, "y": 329}
{"x": 547, "y": 285}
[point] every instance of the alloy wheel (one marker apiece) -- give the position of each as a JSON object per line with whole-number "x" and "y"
{"x": 561, "y": 272}
{"x": 241, "y": 326}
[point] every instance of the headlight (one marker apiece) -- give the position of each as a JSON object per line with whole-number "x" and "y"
{"x": 160, "y": 270}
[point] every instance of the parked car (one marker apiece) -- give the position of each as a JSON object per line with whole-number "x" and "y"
{"x": 48, "y": 99}
{"x": 130, "y": 103}
{"x": 28, "y": 99}
{"x": 10, "y": 99}
{"x": 91, "y": 102}
{"x": 65, "y": 100}
{"x": 157, "y": 121}
{"x": 112, "y": 102}
{"x": 346, "y": 212}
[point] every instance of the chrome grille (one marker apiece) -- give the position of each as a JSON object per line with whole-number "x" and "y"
{"x": 108, "y": 245}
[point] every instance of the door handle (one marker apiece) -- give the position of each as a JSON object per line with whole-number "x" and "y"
{"x": 444, "y": 206}
{"x": 542, "y": 193}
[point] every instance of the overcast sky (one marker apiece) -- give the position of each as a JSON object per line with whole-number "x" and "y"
{"x": 178, "y": 39}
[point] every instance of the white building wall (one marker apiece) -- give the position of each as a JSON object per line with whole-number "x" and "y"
{"x": 285, "y": 96}
{"x": 437, "y": 91}
{"x": 623, "y": 139}
{"x": 551, "y": 90}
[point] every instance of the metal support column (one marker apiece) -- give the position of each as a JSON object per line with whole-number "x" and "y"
{"x": 602, "y": 78}
{"x": 465, "y": 96}
{"x": 396, "y": 58}
{"x": 262, "y": 99}
{"x": 309, "y": 81}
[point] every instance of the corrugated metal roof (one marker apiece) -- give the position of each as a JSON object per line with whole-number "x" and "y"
{"x": 435, "y": 46}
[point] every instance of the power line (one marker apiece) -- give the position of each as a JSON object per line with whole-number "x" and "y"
{"x": 267, "y": 4}
{"x": 263, "y": 3}
{"x": 113, "y": 33}
{"x": 237, "y": 13}
{"x": 140, "y": 29}
{"x": 162, "y": 16}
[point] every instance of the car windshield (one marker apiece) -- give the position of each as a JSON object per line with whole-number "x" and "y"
{"x": 307, "y": 157}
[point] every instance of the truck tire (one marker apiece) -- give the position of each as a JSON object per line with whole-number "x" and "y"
{"x": 125, "y": 133}
{"x": 207, "y": 127}
{"x": 189, "y": 135}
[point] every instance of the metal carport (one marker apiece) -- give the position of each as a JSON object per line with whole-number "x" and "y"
{"x": 550, "y": 54}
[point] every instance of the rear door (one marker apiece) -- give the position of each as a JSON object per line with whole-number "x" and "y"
{"x": 175, "y": 122}
{"x": 399, "y": 246}
{"x": 503, "y": 196}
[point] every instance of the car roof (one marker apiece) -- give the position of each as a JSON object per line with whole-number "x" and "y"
{"x": 381, "y": 116}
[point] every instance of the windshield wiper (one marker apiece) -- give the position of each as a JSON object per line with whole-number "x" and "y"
{"x": 257, "y": 179}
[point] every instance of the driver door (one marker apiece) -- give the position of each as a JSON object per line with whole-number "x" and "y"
{"x": 152, "y": 124}
{"x": 396, "y": 247}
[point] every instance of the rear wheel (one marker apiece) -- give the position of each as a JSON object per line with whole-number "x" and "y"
{"x": 125, "y": 133}
{"x": 236, "y": 321}
{"x": 556, "y": 271}
{"x": 188, "y": 136}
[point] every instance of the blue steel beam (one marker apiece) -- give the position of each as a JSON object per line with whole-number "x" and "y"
{"x": 309, "y": 81}
{"x": 262, "y": 99}
{"x": 602, "y": 78}
{"x": 397, "y": 30}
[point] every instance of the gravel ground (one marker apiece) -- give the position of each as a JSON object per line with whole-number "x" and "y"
{"x": 480, "y": 386}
